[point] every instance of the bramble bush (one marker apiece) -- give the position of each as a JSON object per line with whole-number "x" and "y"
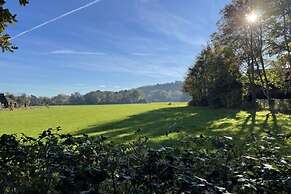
{"x": 58, "y": 163}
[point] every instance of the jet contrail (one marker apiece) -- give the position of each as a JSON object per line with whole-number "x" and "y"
{"x": 55, "y": 19}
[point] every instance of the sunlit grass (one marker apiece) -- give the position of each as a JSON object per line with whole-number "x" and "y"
{"x": 160, "y": 122}
{"x": 34, "y": 120}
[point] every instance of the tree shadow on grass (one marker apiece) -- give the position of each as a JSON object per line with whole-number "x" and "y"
{"x": 264, "y": 122}
{"x": 275, "y": 127}
{"x": 169, "y": 125}
{"x": 249, "y": 123}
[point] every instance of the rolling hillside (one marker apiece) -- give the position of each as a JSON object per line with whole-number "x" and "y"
{"x": 168, "y": 92}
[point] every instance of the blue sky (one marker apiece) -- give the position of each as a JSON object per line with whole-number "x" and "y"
{"x": 111, "y": 45}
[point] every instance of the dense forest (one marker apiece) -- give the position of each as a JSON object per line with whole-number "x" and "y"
{"x": 248, "y": 60}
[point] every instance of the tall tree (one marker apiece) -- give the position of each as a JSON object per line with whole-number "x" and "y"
{"x": 214, "y": 78}
{"x": 257, "y": 33}
{"x": 248, "y": 37}
{"x": 279, "y": 36}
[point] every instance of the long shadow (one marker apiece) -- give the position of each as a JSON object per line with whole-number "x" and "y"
{"x": 252, "y": 117}
{"x": 170, "y": 125}
{"x": 275, "y": 122}
{"x": 266, "y": 121}
{"x": 167, "y": 124}
{"x": 253, "y": 124}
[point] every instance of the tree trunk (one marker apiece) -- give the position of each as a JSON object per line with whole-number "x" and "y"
{"x": 252, "y": 76}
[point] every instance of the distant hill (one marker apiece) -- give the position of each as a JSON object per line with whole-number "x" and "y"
{"x": 168, "y": 92}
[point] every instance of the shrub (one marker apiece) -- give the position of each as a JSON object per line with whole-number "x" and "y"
{"x": 57, "y": 163}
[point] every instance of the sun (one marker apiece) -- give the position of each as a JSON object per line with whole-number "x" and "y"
{"x": 252, "y": 17}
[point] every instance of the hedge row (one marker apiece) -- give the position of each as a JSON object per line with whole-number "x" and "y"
{"x": 57, "y": 163}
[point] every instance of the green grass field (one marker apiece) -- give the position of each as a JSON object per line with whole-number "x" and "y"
{"x": 159, "y": 121}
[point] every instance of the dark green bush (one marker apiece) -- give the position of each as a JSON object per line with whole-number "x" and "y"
{"x": 56, "y": 163}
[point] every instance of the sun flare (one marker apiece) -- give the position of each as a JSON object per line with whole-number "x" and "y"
{"x": 252, "y": 17}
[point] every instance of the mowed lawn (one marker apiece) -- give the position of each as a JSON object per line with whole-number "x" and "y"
{"x": 71, "y": 119}
{"x": 158, "y": 121}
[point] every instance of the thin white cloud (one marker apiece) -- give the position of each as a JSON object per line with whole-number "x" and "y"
{"x": 55, "y": 19}
{"x": 132, "y": 67}
{"x": 156, "y": 18}
{"x": 74, "y": 52}
{"x": 141, "y": 54}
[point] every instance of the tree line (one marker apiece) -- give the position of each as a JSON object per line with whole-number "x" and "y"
{"x": 168, "y": 92}
{"x": 248, "y": 58}
{"x": 95, "y": 97}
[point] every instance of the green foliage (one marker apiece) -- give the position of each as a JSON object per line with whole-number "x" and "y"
{"x": 170, "y": 92}
{"x": 107, "y": 97}
{"x": 54, "y": 163}
{"x": 7, "y": 18}
{"x": 96, "y": 97}
{"x": 214, "y": 79}
{"x": 259, "y": 50}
